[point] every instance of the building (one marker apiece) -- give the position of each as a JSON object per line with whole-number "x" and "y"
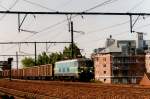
{"x": 145, "y": 80}
{"x": 121, "y": 61}
{"x": 147, "y": 62}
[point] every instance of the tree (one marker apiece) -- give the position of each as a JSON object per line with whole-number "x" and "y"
{"x": 43, "y": 59}
{"x": 68, "y": 50}
{"x": 53, "y": 57}
{"x": 28, "y": 62}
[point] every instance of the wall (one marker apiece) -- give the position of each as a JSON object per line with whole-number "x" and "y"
{"x": 147, "y": 62}
{"x": 102, "y": 67}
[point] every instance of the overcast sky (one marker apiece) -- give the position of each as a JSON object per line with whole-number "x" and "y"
{"x": 96, "y": 28}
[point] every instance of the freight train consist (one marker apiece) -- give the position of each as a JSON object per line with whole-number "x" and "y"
{"x": 75, "y": 69}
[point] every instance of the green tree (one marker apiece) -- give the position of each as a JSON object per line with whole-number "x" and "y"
{"x": 67, "y": 52}
{"x": 43, "y": 59}
{"x": 27, "y": 62}
{"x": 53, "y": 57}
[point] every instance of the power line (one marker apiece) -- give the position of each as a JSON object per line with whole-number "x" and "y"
{"x": 4, "y": 15}
{"x": 66, "y": 13}
{"x": 39, "y": 5}
{"x": 3, "y": 7}
{"x": 13, "y": 5}
{"x": 29, "y": 42}
{"x": 136, "y": 5}
{"x": 109, "y": 27}
{"x": 65, "y": 3}
{"x": 117, "y": 34}
{"x": 58, "y": 23}
{"x": 101, "y": 4}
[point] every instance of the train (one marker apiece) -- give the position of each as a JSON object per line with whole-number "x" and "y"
{"x": 75, "y": 70}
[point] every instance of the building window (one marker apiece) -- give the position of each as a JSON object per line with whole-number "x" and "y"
{"x": 104, "y": 72}
{"x": 104, "y": 65}
{"x": 67, "y": 69}
{"x": 104, "y": 80}
{"x": 104, "y": 59}
{"x": 96, "y": 58}
{"x": 63, "y": 69}
{"x": 59, "y": 69}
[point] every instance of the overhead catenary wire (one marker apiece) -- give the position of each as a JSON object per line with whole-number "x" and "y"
{"x": 120, "y": 34}
{"x": 99, "y": 5}
{"x": 65, "y": 20}
{"x": 117, "y": 34}
{"x": 60, "y": 22}
{"x": 136, "y": 5}
{"x": 65, "y": 3}
{"x": 13, "y": 5}
{"x": 3, "y": 7}
{"x": 39, "y": 5}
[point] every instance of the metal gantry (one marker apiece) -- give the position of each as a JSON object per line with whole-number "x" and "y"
{"x": 72, "y": 13}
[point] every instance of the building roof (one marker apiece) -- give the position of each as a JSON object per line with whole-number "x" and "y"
{"x": 111, "y": 49}
{"x": 123, "y": 46}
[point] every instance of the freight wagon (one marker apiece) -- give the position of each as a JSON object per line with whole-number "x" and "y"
{"x": 31, "y": 73}
{"x": 0, "y": 73}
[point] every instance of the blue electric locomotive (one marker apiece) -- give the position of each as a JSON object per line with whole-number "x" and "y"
{"x": 75, "y": 69}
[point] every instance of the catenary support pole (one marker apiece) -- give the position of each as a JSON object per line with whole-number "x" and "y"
{"x": 131, "y": 28}
{"x": 72, "y": 51}
{"x": 35, "y": 53}
{"x": 17, "y": 62}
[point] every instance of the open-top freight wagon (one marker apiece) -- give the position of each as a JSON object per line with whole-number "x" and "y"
{"x": 75, "y": 69}
{"x": 31, "y": 73}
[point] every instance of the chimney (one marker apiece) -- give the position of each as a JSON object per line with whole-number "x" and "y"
{"x": 109, "y": 41}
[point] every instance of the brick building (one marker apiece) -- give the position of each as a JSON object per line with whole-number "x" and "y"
{"x": 145, "y": 80}
{"x": 147, "y": 62}
{"x": 121, "y": 61}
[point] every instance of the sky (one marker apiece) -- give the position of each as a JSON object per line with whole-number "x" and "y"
{"x": 95, "y": 29}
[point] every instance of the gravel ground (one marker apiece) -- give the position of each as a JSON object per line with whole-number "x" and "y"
{"x": 77, "y": 90}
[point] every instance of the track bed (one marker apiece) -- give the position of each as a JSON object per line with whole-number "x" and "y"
{"x": 76, "y": 90}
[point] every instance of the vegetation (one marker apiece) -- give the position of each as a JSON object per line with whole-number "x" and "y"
{"x": 27, "y": 62}
{"x": 44, "y": 58}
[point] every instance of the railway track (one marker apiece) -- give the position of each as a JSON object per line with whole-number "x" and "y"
{"x": 77, "y": 90}
{"x": 23, "y": 95}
